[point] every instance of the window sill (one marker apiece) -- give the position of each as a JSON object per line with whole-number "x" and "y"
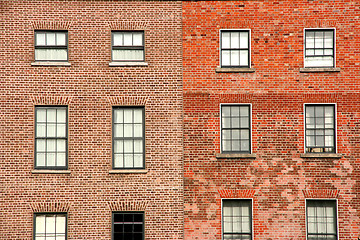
{"x": 309, "y": 69}
{"x": 128, "y": 64}
{"x": 234, "y": 70}
{"x": 235, "y": 156}
{"x": 321, "y": 155}
{"x": 46, "y": 171}
{"x": 51, "y": 64}
{"x": 127, "y": 171}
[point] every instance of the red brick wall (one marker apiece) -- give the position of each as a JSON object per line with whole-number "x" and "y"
{"x": 89, "y": 87}
{"x": 279, "y": 179}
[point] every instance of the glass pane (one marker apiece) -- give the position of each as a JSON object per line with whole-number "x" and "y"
{"x": 236, "y": 225}
{"x": 329, "y": 141}
{"x": 236, "y": 211}
{"x": 310, "y": 111}
{"x": 320, "y": 141}
{"x": 40, "y": 224}
{"x": 244, "y": 122}
{"x": 235, "y": 122}
{"x": 319, "y": 122}
{"x": 118, "y": 146}
{"x": 128, "y": 115}
{"x": 128, "y": 130}
{"x": 118, "y": 116}
{"x": 226, "y": 134}
{"x": 225, "y": 58}
{"x": 226, "y": 145}
{"x": 138, "y": 39}
{"x": 310, "y": 52}
{"x": 50, "y": 145}
{"x": 128, "y": 39}
{"x": 138, "y": 160}
{"x": 310, "y": 122}
{"x": 118, "y": 161}
{"x": 235, "y": 134}
{"x": 61, "y": 145}
{"x": 118, "y": 39}
{"x": 329, "y": 39}
{"x": 330, "y": 212}
{"x": 51, "y": 130}
{"x": 61, "y": 39}
{"x": 310, "y": 140}
{"x": 227, "y": 209}
{"x": 50, "y": 224}
{"x": 235, "y": 146}
{"x": 50, "y": 39}
{"x": 328, "y": 52}
{"x": 51, "y": 115}
{"x": 246, "y": 225}
{"x": 245, "y": 145}
{"x": 118, "y": 130}
{"x": 235, "y": 40}
{"x": 61, "y": 116}
{"x": 129, "y": 161}
{"x": 311, "y": 211}
{"x": 41, "y": 115}
{"x": 40, "y": 39}
{"x": 128, "y": 146}
{"x": 40, "y": 159}
{"x": 226, "y": 122}
{"x": 138, "y": 130}
{"x": 311, "y": 227}
{"x": 227, "y": 224}
{"x": 50, "y": 54}
{"x": 138, "y": 146}
{"x": 40, "y": 145}
{"x": 128, "y": 55}
{"x": 138, "y": 115}
{"x": 61, "y": 159}
{"x": 319, "y": 52}
{"x": 244, "y": 39}
{"x": 319, "y": 40}
{"x": 244, "y": 58}
{"x": 225, "y": 111}
{"x": 244, "y": 111}
{"x": 235, "y": 111}
{"x": 329, "y": 111}
{"x": 60, "y": 224}
{"x": 51, "y": 159}
{"x": 245, "y": 134}
{"x": 61, "y": 130}
{"x": 225, "y": 40}
{"x": 235, "y": 58}
{"x": 245, "y": 210}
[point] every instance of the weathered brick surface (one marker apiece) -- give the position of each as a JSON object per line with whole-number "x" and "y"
{"x": 279, "y": 178}
{"x": 89, "y": 87}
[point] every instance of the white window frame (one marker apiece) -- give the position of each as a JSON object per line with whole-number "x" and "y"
{"x": 335, "y": 119}
{"x": 304, "y": 44}
{"x": 220, "y": 40}
{"x": 337, "y": 214}
{"x": 252, "y": 215}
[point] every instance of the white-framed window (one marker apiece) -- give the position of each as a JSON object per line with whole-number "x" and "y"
{"x": 320, "y": 128}
{"x": 128, "y": 46}
{"x": 235, "y": 128}
{"x": 50, "y": 226}
{"x": 319, "y": 48}
{"x": 235, "y": 48}
{"x": 51, "y": 46}
{"x": 321, "y": 219}
{"x": 237, "y": 219}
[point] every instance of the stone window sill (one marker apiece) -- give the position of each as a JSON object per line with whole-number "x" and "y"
{"x": 48, "y": 171}
{"x": 128, "y": 64}
{"x": 234, "y": 70}
{"x": 321, "y": 155}
{"x": 128, "y": 171}
{"x": 304, "y": 70}
{"x": 234, "y": 156}
{"x": 51, "y": 64}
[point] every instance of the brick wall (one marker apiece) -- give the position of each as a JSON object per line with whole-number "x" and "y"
{"x": 278, "y": 179}
{"x": 89, "y": 87}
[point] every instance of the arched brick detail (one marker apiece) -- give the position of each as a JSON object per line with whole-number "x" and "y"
{"x": 239, "y": 193}
{"x": 127, "y": 25}
{"x": 236, "y": 98}
{"x": 321, "y": 193}
{"x": 227, "y": 23}
{"x": 321, "y": 98}
{"x": 128, "y": 206}
{"x": 128, "y": 101}
{"x": 51, "y": 25}
{"x": 50, "y": 207}
{"x": 320, "y": 23}
{"x": 51, "y": 100}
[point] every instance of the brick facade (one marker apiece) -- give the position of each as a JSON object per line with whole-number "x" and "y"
{"x": 90, "y": 88}
{"x": 278, "y": 179}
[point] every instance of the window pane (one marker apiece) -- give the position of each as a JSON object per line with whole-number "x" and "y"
{"x": 138, "y": 160}
{"x": 40, "y": 145}
{"x": 226, "y": 145}
{"x": 40, "y": 159}
{"x": 329, "y": 39}
{"x": 138, "y": 146}
{"x": 118, "y": 161}
{"x": 128, "y": 146}
{"x": 310, "y": 52}
{"x": 118, "y": 116}
{"x": 60, "y": 159}
{"x": 235, "y": 111}
{"x": 61, "y": 130}
{"x": 51, "y": 159}
{"x": 319, "y": 40}
{"x": 244, "y": 39}
{"x": 50, "y": 224}
{"x": 235, "y": 58}
{"x": 244, "y": 122}
{"x": 51, "y": 115}
{"x": 118, "y": 146}
{"x": 60, "y": 224}
{"x": 244, "y": 61}
{"x": 40, "y": 224}
{"x": 225, "y": 111}
{"x": 118, "y": 130}
{"x": 129, "y": 160}
{"x": 225, "y": 58}
{"x": 225, "y": 41}
{"x": 51, "y": 130}
{"x": 138, "y": 39}
{"x": 61, "y": 39}
{"x": 40, "y": 39}
{"x": 128, "y": 39}
{"x": 235, "y": 40}
{"x": 128, "y": 130}
{"x": 118, "y": 39}
{"x": 138, "y": 130}
{"x": 138, "y": 115}
{"x": 244, "y": 111}
{"x": 61, "y": 145}
{"x": 61, "y": 116}
{"x": 51, "y": 145}
{"x": 41, "y": 115}
{"x": 235, "y": 146}
{"x": 51, "y": 54}
{"x": 50, "y": 39}
{"x": 235, "y": 122}
{"x": 128, "y": 115}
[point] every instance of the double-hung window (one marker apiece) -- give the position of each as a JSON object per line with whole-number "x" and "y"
{"x": 235, "y": 48}
{"x": 128, "y": 137}
{"x": 128, "y": 46}
{"x": 237, "y": 219}
{"x": 321, "y": 219}
{"x": 128, "y": 226}
{"x": 51, "y": 46}
{"x": 319, "y": 48}
{"x": 235, "y": 128}
{"x": 320, "y": 128}
{"x": 50, "y": 226}
{"x": 51, "y": 137}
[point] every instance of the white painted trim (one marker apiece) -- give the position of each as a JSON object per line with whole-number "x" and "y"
{"x": 319, "y": 30}
{"x": 252, "y": 215}
{"x": 250, "y": 123}
{"x": 235, "y": 29}
{"x": 304, "y": 124}
{"x": 337, "y": 214}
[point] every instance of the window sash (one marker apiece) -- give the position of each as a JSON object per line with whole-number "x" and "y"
{"x": 46, "y": 46}
{"x": 46, "y": 231}
{"x": 128, "y": 228}
{"x": 239, "y": 221}
{"x": 322, "y": 56}
{"x": 130, "y": 52}
{"x": 53, "y": 149}
{"x": 241, "y": 49}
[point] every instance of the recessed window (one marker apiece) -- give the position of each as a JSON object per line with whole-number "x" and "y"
{"x": 51, "y": 137}
{"x": 235, "y": 128}
{"x": 235, "y": 50}
{"x": 319, "y": 48}
{"x": 320, "y": 128}
{"x": 128, "y": 226}
{"x": 128, "y": 46}
{"x": 321, "y": 219}
{"x": 128, "y": 137}
{"x": 237, "y": 219}
{"x": 50, "y": 226}
{"x": 51, "y": 46}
